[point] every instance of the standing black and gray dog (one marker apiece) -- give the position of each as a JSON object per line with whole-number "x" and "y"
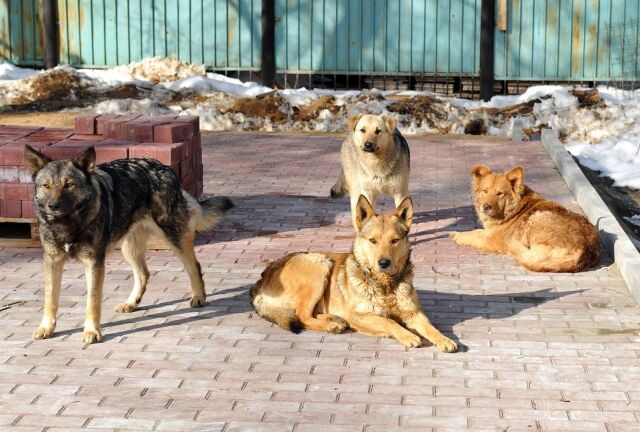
{"x": 84, "y": 210}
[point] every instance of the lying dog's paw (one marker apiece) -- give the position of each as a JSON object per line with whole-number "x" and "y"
{"x": 410, "y": 340}
{"x": 125, "y": 308}
{"x": 454, "y": 236}
{"x": 198, "y": 301}
{"x": 336, "y": 326}
{"x": 446, "y": 345}
{"x": 91, "y": 336}
{"x": 43, "y": 333}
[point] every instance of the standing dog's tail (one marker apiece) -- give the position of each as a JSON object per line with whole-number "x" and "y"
{"x": 208, "y": 212}
{"x": 339, "y": 189}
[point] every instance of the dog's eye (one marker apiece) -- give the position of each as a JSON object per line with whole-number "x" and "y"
{"x": 68, "y": 185}
{"x": 485, "y": 190}
{"x": 500, "y": 194}
{"x": 363, "y": 130}
{"x": 374, "y": 241}
{"x": 378, "y": 131}
{"x": 395, "y": 241}
{"x": 45, "y": 185}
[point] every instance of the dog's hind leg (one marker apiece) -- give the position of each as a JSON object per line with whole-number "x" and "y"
{"x": 133, "y": 249}
{"x": 53, "y": 267}
{"x": 340, "y": 188}
{"x": 185, "y": 251}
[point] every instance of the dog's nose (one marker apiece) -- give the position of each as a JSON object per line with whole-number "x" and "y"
{"x": 369, "y": 145}
{"x": 384, "y": 263}
{"x": 53, "y": 206}
{"x": 486, "y": 207}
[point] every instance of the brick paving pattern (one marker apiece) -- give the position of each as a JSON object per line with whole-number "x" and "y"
{"x": 541, "y": 351}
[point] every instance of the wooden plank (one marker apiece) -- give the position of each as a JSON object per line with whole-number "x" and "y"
{"x": 98, "y": 22}
{"x": 590, "y": 45}
{"x": 457, "y": 32}
{"x": 552, "y": 47}
{"x": 110, "y": 33}
{"x": 85, "y": 36}
{"x": 443, "y": 37}
{"x": 15, "y": 30}
{"x": 342, "y": 30}
{"x": 502, "y": 15}
{"x": 392, "y": 33}
{"x": 469, "y": 40}
{"x": 539, "y": 42}
{"x": 430, "y": 36}
{"x": 136, "y": 35}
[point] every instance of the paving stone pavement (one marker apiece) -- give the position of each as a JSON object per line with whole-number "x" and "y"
{"x": 541, "y": 352}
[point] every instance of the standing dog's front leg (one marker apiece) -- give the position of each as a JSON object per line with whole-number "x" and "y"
{"x": 94, "y": 272}
{"x": 53, "y": 267}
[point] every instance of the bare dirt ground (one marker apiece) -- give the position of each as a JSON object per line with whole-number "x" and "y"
{"x": 46, "y": 119}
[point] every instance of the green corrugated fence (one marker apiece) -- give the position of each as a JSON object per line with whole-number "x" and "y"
{"x": 545, "y": 39}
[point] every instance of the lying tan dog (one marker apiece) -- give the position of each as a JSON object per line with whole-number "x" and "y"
{"x": 369, "y": 290}
{"x": 541, "y": 235}
{"x": 375, "y": 160}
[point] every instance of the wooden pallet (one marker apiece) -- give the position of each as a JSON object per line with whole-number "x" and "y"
{"x": 23, "y": 233}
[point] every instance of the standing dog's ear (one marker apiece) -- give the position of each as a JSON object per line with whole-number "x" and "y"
{"x": 404, "y": 212}
{"x": 391, "y": 123}
{"x": 86, "y": 160}
{"x": 353, "y": 121}
{"x": 516, "y": 178}
{"x": 364, "y": 212}
{"x": 35, "y": 159}
{"x": 480, "y": 170}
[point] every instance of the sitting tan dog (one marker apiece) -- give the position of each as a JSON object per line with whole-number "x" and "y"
{"x": 541, "y": 235}
{"x": 369, "y": 290}
{"x": 375, "y": 160}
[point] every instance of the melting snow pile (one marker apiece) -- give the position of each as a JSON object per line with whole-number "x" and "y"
{"x": 158, "y": 85}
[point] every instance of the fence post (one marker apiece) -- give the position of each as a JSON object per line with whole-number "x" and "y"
{"x": 268, "y": 42}
{"x": 486, "y": 49}
{"x": 50, "y": 18}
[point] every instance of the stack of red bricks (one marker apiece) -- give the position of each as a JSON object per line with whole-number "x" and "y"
{"x": 174, "y": 141}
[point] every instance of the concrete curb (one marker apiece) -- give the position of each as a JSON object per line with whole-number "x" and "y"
{"x": 613, "y": 237}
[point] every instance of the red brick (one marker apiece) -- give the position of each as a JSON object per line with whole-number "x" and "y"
{"x": 169, "y": 154}
{"x": 90, "y": 138}
{"x": 194, "y": 121}
{"x": 52, "y": 133}
{"x": 24, "y": 175}
{"x": 113, "y": 129}
{"x": 12, "y": 208}
{"x": 139, "y": 131}
{"x": 185, "y": 167}
{"x": 85, "y": 125}
{"x": 9, "y": 174}
{"x": 109, "y": 150}
{"x": 172, "y": 132}
{"x": 144, "y": 150}
{"x": 27, "y": 209}
{"x": 37, "y": 140}
{"x": 17, "y": 191}
{"x": 66, "y": 149}
{"x": 102, "y": 120}
{"x": 13, "y": 153}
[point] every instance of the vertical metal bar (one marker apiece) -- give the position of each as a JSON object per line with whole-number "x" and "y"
{"x": 50, "y": 34}
{"x": 486, "y": 49}
{"x": 268, "y": 42}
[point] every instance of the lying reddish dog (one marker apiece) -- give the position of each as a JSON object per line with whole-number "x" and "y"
{"x": 541, "y": 235}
